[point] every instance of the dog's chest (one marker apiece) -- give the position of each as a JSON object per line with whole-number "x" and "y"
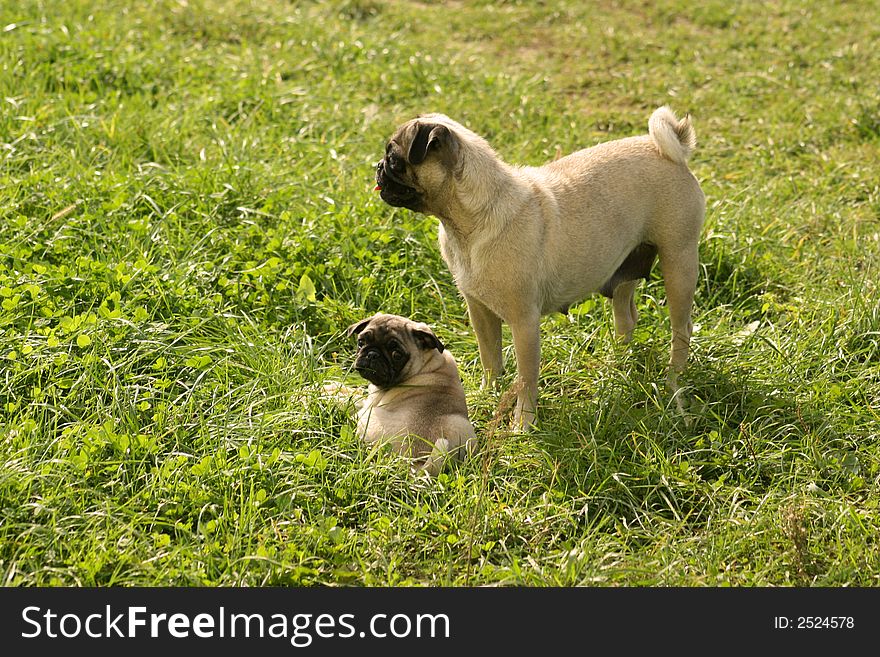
{"x": 478, "y": 268}
{"x": 381, "y": 418}
{"x": 455, "y": 253}
{"x": 469, "y": 261}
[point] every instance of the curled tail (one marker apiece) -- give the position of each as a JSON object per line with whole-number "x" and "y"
{"x": 674, "y": 138}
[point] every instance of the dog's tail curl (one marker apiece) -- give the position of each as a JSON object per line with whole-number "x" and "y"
{"x": 674, "y": 138}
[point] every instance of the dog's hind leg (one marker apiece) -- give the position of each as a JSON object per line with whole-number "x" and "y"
{"x": 621, "y": 287}
{"x": 680, "y": 269}
{"x": 625, "y": 312}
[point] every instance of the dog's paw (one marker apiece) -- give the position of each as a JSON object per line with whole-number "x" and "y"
{"x": 436, "y": 460}
{"x": 524, "y": 422}
{"x": 681, "y": 409}
{"x": 490, "y": 383}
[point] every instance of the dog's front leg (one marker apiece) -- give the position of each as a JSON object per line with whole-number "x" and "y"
{"x": 487, "y": 326}
{"x": 526, "y": 330}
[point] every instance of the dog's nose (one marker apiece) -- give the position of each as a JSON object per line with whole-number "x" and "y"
{"x": 378, "y": 186}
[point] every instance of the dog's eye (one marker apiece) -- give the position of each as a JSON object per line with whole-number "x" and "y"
{"x": 397, "y": 164}
{"x": 394, "y": 348}
{"x": 361, "y": 342}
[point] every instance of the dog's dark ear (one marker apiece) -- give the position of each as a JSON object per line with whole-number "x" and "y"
{"x": 426, "y": 339}
{"x": 357, "y": 327}
{"x": 432, "y": 136}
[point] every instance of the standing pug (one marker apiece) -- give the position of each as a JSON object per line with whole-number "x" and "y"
{"x": 522, "y": 242}
{"x": 416, "y": 402}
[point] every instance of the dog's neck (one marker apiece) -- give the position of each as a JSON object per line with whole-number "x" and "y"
{"x": 484, "y": 192}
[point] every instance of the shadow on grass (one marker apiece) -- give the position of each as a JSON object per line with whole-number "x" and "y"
{"x": 625, "y": 448}
{"x": 730, "y": 278}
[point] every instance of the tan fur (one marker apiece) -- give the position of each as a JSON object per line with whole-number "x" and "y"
{"x": 522, "y": 242}
{"x": 424, "y": 416}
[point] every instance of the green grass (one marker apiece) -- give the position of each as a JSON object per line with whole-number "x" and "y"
{"x": 187, "y": 226}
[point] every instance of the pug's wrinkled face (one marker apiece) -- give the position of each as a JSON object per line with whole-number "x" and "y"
{"x": 418, "y": 159}
{"x": 392, "y": 349}
{"x": 394, "y": 180}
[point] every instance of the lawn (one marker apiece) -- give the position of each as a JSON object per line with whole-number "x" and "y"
{"x": 188, "y": 225}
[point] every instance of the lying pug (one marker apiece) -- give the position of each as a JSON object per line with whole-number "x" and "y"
{"x": 415, "y": 399}
{"x": 522, "y": 242}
